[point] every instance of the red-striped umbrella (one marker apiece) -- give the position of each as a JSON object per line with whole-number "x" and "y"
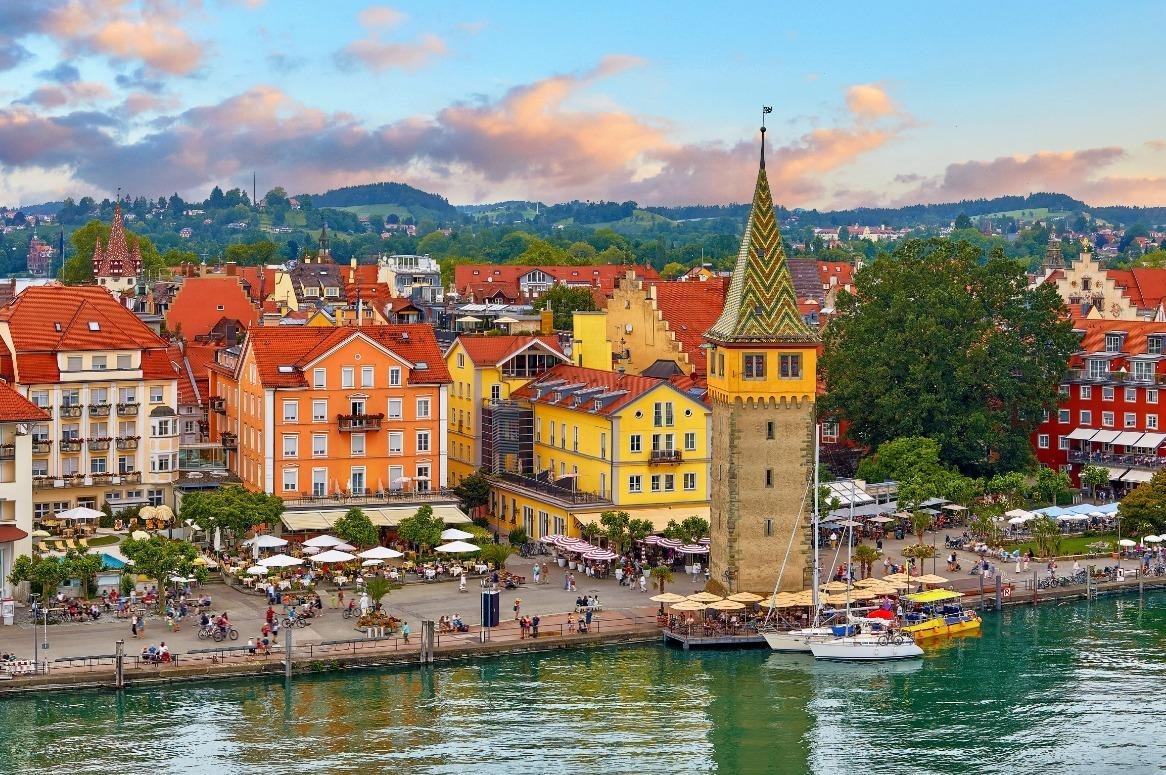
{"x": 600, "y": 554}
{"x": 693, "y": 549}
{"x": 671, "y": 543}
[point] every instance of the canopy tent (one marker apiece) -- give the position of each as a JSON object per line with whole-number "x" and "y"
{"x": 453, "y": 534}
{"x": 746, "y": 597}
{"x": 932, "y": 578}
{"x": 1019, "y": 513}
{"x": 379, "y": 553}
{"x": 1107, "y": 508}
{"x": 265, "y": 541}
{"x": 1020, "y": 520}
{"x": 1152, "y": 539}
{"x": 1073, "y": 518}
{"x": 1115, "y": 474}
{"x": 726, "y": 605}
{"x": 600, "y": 554}
{"x": 693, "y": 549}
{"x": 333, "y": 555}
{"x": 344, "y": 548}
{"x": 280, "y": 561}
{"x": 371, "y": 563}
{"x": 258, "y": 570}
{"x": 1104, "y": 437}
{"x": 934, "y": 596}
{"x": 1126, "y": 543}
{"x": 705, "y": 597}
{"x": 689, "y": 605}
{"x": 80, "y": 514}
{"x": 458, "y": 547}
{"x": 380, "y": 516}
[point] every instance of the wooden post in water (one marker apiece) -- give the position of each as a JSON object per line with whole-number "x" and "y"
{"x": 287, "y": 651}
{"x": 981, "y": 575}
{"x": 1034, "y": 596}
{"x": 428, "y": 637}
{"x": 119, "y": 674}
{"x": 999, "y": 593}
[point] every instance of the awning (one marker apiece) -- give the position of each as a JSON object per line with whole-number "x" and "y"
{"x": 10, "y": 533}
{"x": 659, "y": 517}
{"x": 1115, "y": 474}
{"x": 1151, "y": 440}
{"x": 1105, "y": 437}
{"x": 1137, "y": 475}
{"x": 1082, "y": 434}
{"x": 1128, "y": 438}
{"x": 323, "y": 519}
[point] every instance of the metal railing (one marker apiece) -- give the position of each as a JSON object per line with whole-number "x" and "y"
{"x": 552, "y": 490}
{"x": 665, "y": 456}
{"x": 1113, "y": 459}
{"x": 374, "y": 497}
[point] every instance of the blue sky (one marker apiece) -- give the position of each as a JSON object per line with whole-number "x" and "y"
{"x": 659, "y": 102}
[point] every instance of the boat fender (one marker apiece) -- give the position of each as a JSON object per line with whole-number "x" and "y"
{"x": 1006, "y": 591}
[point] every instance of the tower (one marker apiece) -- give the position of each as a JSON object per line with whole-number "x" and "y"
{"x": 117, "y": 264}
{"x": 1053, "y": 256}
{"x": 762, "y": 362}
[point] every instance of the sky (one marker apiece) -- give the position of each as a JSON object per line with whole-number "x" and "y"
{"x": 660, "y": 102}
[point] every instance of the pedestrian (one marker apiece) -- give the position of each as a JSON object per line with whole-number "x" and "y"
{"x": 335, "y": 601}
{"x": 534, "y": 571}
{"x": 517, "y": 609}
{"x": 340, "y": 597}
{"x": 587, "y": 617}
{"x": 134, "y": 625}
{"x": 570, "y": 624}
{"x": 461, "y": 586}
{"x": 275, "y": 632}
{"x": 566, "y": 582}
{"x": 523, "y": 623}
{"x": 534, "y": 626}
{"x": 405, "y": 631}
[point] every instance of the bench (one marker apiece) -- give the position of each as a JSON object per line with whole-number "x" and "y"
{"x": 582, "y": 609}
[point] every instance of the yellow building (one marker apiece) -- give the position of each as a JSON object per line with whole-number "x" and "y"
{"x": 486, "y": 370}
{"x": 584, "y": 441}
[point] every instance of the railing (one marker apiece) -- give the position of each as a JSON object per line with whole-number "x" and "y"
{"x": 71, "y": 411}
{"x": 229, "y": 441}
{"x": 562, "y": 494}
{"x": 218, "y": 404}
{"x": 42, "y": 447}
{"x": 98, "y": 445}
{"x": 1113, "y": 459}
{"x": 70, "y": 445}
{"x": 102, "y": 478}
{"x": 1118, "y": 377}
{"x": 359, "y": 422}
{"x": 665, "y": 456}
{"x": 7, "y": 451}
{"x": 378, "y": 497}
{"x": 130, "y": 477}
{"x": 99, "y": 410}
{"x": 127, "y": 409}
{"x": 128, "y": 442}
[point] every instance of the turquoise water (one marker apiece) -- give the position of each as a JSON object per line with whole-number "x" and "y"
{"x": 1063, "y": 689}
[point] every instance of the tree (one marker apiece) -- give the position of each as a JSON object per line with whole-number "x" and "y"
{"x": 79, "y": 268}
{"x": 962, "y": 221}
{"x": 1052, "y": 484}
{"x": 621, "y": 530}
{"x": 158, "y": 558}
{"x": 256, "y": 253}
{"x": 1010, "y": 487}
{"x": 591, "y": 531}
{"x": 1093, "y": 477}
{"x": 473, "y": 491}
{"x": 672, "y": 270}
{"x": 935, "y": 343}
{"x": 866, "y": 556}
{"x": 84, "y": 567}
{"x": 356, "y": 528}
{"x": 986, "y": 528}
{"x": 423, "y": 529}
{"x": 48, "y": 573}
{"x": 690, "y": 530}
{"x": 518, "y": 536}
{"x": 920, "y": 524}
{"x": 1046, "y": 534}
{"x": 1146, "y": 505}
{"x": 901, "y": 460}
{"x": 233, "y": 509}
{"x": 377, "y": 588}
{"x": 497, "y": 554}
{"x": 564, "y": 301}
{"x": 660, "y": 575}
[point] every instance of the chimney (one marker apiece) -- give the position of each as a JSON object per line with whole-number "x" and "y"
{"x": 352, "y": 270}
{"x": 232, "y": 269}
{"x": 546, "y": 320}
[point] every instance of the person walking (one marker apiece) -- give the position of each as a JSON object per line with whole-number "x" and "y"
{"x": 534, "y": 626}
{"x": 405, "y": 631}
{"x": 523, "y": 623}
{"x": 517, "y": 609}
{"x": 570, "y": 624}
{"x": 643, "y": 583}
{"x": 135, "y": 622}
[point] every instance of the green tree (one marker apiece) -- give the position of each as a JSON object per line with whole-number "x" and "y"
{"x": 962, "y": 221}
{"x": 423, "y": 529}
{"x": 497, "y": 554}
{"x": 621, "y": 530}
{"x": 473, "y": 491}
{"x": 564, "y": 300}
{"x": 591, "y": 531}
{"x": 78, "y": 268}
{"x": 920, "y": 524}
{"x": 256, "y": 253}
{"x": 85, "y": 568}
{"x": 48, "y": 573}
{"x": 901, "y": 460}
{"x": 689, "y": 530}
{"x": 935, "y": 343}
{"x": 660, "y": 575}
{"x": 1093, "y": 477}
{"x": 672, "y": 270}
{"x": 356, "y": 528}
{"x": 1146, "y": 504}
{"x": 866, "y": 556}
{"x": 1052, "y": 484}
{"x": 377, "y": 587}
{"x": 518, "y": 536}
{"x": 1046, "y": 534}
{"x": 158, "y": 558}
{"x": 233, "y": 509}
{"x": 1010, "y": 486}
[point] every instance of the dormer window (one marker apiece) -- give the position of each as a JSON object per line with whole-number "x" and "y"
{"x": 1098, "y": 368}
{"x": 94, "y": 325}
{"x": 331, "y": 293}
{"x": 1113, "y": 343}
{"x": 1154, "y": 345}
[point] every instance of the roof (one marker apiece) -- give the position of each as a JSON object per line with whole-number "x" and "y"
{"x": 1145, "y": 287}
{"x": 257, "y": 280}
{"x": 691, "y": 308}
{"x": 277, "y": 346}
{"x": 15, "y": 407}
{"x": 201, "y": 302}
{"x": 1134, "y": 342}
{"x": 483, "y": 280}
{"x": 187, "y": 391}
{"x": 496, "y": 350}
{"x": 198, "y": 358}
{"x": 628, "y": 387}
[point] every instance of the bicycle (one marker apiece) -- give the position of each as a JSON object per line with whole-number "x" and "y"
{"x": 219, "y": 636}
{"x": 891, "y": 640}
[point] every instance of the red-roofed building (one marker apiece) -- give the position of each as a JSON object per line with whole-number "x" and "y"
{"x": 489, "y": 282}
{"x": 202, "y": 303}
{"x": 1096, "y": 292}
{"x": 117, "y": 263}
{"x": 110, "y": 385}
{"x": 316, "y": 415}
{"x": 17, "y": 415}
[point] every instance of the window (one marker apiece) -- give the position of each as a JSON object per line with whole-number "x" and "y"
{"x": 1131, "y": 394}
{"x": 156, "y": 394}
{"x": 754, "y": 365}
{"x": 423, "y": 408}
{"x": 1107, "y": 394}
{"x": 721, "y": 364}
{"x": 155, "y": 497}
{"x": 366, "y": 376}
{"x": 1098, "y": 368}
{"x": 662, "y": 414}
{"x": 1062, "y": 443}
{"x": 68, "y": 466}
{"x": 1086, "y": 417}
{"x": 669, "y": 482}
{"x": 1086, "y": 392}
{"x": 663, "y": 442}
{"x": 70, "y": 397}
{"x": 319, "y": 445}
{"x": 160, "y": 463}
{"x": 603, "y": 484}
{"x": 791, "y": 366}
{"x": 127, "y": 428}
{"x": 1044, "y": 415}
{"x": 347, "y": 377}
{"x": 73, "y": 363}
{"x": 552, "y": 426}
{"x": 1042, "y": 441}
{"x": 635, "y": 483}
{"x": 461, "y": 360}
{"x": 40, "y": 468}
{"x": 1107, "y": 419}
{"x": 636, "y": 442}
{"x": 422, "y": 441}
{"x": 98, "y": 430}
{"x": 1143, "y": 372}
{"x": 99, "y": 362}
{"x": 319, "y": 482}
{"x": 1151, "y": 395}
{"x": 1113, "y": 343}
{"x": 1152, "y": 422}
{"x": 769, "y": 430}
{"x": 40, "y": 398}
{"x": 575, "y": 438}
{"x": 690, "y": 441}
{"x": 397, "y": 478}
{"x": 127, "y": 395}
{"x": 356, "y": 480}
{"x": 291, "y": 445}
{"x": 396, "y": 442}
{"x": 1131, "y": 419}
{"x": 1063, "y": 416}
{"x": 319, "y": 411}
{"x": 394, "y": 409}
{"x": 562, "y": 435}
{"x": 544, "y": 523}
{"x": 1062, "y": 390}
{"x": 655, "y": 483}
{"x": 830, "y": 431}
{"x": 538, "y": 429}
{"x": 394, "y": 377}
{"x": 162, "y": 427}
{"x": 690, "y": 481}
{"x": 319, "y": 378}
{"x": 291, "y": 480}
{"x": 356, "y": 441}
{"x": 124, "y": 362}
{"x": 291, "y": 411}
{"x": 769, "y": 477}
{"x": 768, "y": 527}
{"x": 70, "y": 432}
{"x": 125, "y": 464}
{"x": 603, "y": 446}
{"x": 495, "y": 392}
{"x": 423, "y": 478}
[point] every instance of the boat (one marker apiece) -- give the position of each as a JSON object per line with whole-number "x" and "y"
{"x": 797, "y": 640}
{"x": 938, "y": 614}
{"x": 868, "y": 647}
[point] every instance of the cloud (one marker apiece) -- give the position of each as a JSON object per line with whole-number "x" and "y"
{"x": 137, "y": 103}
{"x": 1156, "y": 145}
{"x": 68, "y": 93}
{"x": 18, "y": 19}
{"x": 150, "y": 33}
{"x": 62, "y": 73}
{"x": 868, "y": 100}
{"x": 474, "y": 27}
{"x": 285, "y": 63}
{"x": 377, "y": 54}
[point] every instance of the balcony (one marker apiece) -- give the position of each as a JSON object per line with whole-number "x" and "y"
{"x": 349, "y": 423}
{"x": 665, "y": 456}
{"x": 43, "y": 447}
{"x": 563, "y": 493}
{"x": 71, "y": 445}
{"x": 128, "y": 409}
{"x": 99, "y": 445}
{"x": 99, "y": 410}
{"x": 130, "y": 477}
{"x": 1115, "y": 377}
{"x": 128, "y": 442}
{"x": 229, "y": 441}
{"x": 7, "y": 451}
{"x": 71, "y": 411}
{"x": 371, "y": 498}
{"x": 104, "y": 477}
{"x": 218, "y": 404}
{"x": 1147, "y": 462}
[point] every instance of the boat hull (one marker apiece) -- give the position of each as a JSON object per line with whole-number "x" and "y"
{"x": 797, "y": 641}
{"x": 939, "y": 627}
{"x": 865, "y": 649}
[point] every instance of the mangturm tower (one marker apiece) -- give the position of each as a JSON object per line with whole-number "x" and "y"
{"x": 762, "y": 359}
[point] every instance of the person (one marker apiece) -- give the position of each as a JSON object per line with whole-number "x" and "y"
{"x": 517, "y": 609}
{"x": 163, "y": 652}
{"x": 643, "y": 583}
{"x": 265, "y": 644}
{"x": 523, "y": 623}
{"x": 534, "y": 626}
{"x": 135, "y": 626}
{"x": 250, "y": 645}
{"x": 535, "y": 571}
{"x": 587, "y": 617}
{"x": 461, "y": 585}
{"x": 405, "y": 631}
{"x": 269, "y": 617}
{"x": 340, "y": 597}
{"x": 570, "y": 624}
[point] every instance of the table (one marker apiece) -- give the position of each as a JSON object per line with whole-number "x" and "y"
{"x": 480, "y": 568}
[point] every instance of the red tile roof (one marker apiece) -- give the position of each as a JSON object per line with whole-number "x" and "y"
{"x": 200, "y": 356}
{"x": 1146, "y": 288}
{"x": 472, "y": 279}
{"x": 611, "y": 381}
{"x": 259, "y": 280}
{"x": 691, "y": 308}
{"x": 15, "y": 407}
{"x": 201, "y": 302}
{"x": 494, "y": 350}
{"x": 276, "y": 346}
{"x": 1134, "y": 343}
{"x": 839, "y": 269}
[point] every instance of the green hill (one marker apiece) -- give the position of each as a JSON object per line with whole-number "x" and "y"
{"x": 387, "y": 198}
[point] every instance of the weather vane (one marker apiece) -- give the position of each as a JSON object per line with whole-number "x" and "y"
{"x": 764, "y": 109}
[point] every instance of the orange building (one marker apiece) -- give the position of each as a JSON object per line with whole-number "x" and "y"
{"x": 329, "y": 414}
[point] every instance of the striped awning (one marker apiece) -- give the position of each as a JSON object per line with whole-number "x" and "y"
{"x": 390, "y": 516}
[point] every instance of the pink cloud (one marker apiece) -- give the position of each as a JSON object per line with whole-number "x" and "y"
{"x": 59, "y": 95}
{"x": 380, "y": 16}
{"x": 149, "y": 33}
{"x": 869, "y": 100}
{"x": 377, "y": 54}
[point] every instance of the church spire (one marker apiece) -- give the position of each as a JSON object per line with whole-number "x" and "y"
{"x": 1054, "y": 258}
{"x": 761, "y": 305}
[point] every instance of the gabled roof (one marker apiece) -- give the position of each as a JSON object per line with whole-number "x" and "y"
{"x": 691, "y": 308}
{"x": 297, "y": 347}
{"x": 15, "y": 407}
{"x": 484, "y": 280}
{"x": 496, "y": 350}
{"x": 620, "y": 389}
{"x": 195, "y": 308}
{"x": 187, "y": 390}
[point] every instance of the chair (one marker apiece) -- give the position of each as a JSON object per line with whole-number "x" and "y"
{"x": 83, "y": 543}
{"x": 42, "y": 547}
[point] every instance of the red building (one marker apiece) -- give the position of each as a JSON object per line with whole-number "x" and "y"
{"x": 1112, "y": 404}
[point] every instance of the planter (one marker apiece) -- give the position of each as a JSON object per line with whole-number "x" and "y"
{"x": 571, "y": 565}
{"x": 561, "y": 561}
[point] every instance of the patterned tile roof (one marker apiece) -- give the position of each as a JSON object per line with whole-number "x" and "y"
{"x": 495, "y": 350}
{"x": 762, "y": 305}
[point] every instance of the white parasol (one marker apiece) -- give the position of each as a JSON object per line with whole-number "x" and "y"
{"x": 458, "y": 547}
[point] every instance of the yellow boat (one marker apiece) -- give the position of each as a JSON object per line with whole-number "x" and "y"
{"x": 946, "y": 618}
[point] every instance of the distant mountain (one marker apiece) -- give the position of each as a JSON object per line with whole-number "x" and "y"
{"x": 384, "y": 198}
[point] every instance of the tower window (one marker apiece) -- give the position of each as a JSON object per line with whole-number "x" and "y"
{"x": 755, "y": 365}
{"x": 768, "y": 527}
{"x": 769, "y": 477}
{"x": 791, "y": 366}
{"x": 769, "y": 430}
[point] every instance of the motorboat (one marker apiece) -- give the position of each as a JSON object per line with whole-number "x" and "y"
{"x": 937, "y": 612}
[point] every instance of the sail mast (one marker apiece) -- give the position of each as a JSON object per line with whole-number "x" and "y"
{"x": 814, "y": 532}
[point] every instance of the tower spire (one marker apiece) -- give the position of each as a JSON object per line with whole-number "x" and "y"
{"x": 764, "y": 110}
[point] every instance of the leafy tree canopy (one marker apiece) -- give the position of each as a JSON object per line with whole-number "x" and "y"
{"x": 231, "y": 508}
{"x": 423, "y": 529}
{"x": 564, "y": 301}
{"x": 356, "y": 528}
{"x": 473, "y": 491}
{"x": 1144, "y": 509}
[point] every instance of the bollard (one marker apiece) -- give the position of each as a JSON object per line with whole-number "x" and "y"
{"x": 287, "y": 646}
{"x": 999, "y": 593}
{"x": 119, "y": 676}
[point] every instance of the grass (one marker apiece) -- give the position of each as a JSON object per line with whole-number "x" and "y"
{"x": 107, "y": 540}
{"x": 1070, "y": 544}
{"x": 378, "y": 209}
{"x": 1028, "y": 215}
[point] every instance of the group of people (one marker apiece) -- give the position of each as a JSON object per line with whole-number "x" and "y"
{"x": 452, "y": 624}
{"x": 159, "y": 653}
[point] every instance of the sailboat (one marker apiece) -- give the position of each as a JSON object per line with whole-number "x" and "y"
{"x": 799, "y": 641}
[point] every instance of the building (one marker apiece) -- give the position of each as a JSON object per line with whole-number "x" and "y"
{"x": 417, "y": 278}
{"x": 508, "y": 284}
{"x": 1095, "y": 292}
{"x": 576, "y": 442}
{"x": 17, "y": 415}
{"x": 118, "y": 263}
{"x": 1108, "y": 409}
{"x": 327, "y": 418}
{"x": 40, "y": 256}
{"x": 761, "y": 386}
{"x": 110, "y": 387}
{"x": 203, "y": 303}
{"x": 486, "y": 372}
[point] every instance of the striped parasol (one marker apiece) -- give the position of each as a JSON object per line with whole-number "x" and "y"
{"x": 693, "y": 549}
{"x": 599, "y": 554}
{"x": 671, "y": 543}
